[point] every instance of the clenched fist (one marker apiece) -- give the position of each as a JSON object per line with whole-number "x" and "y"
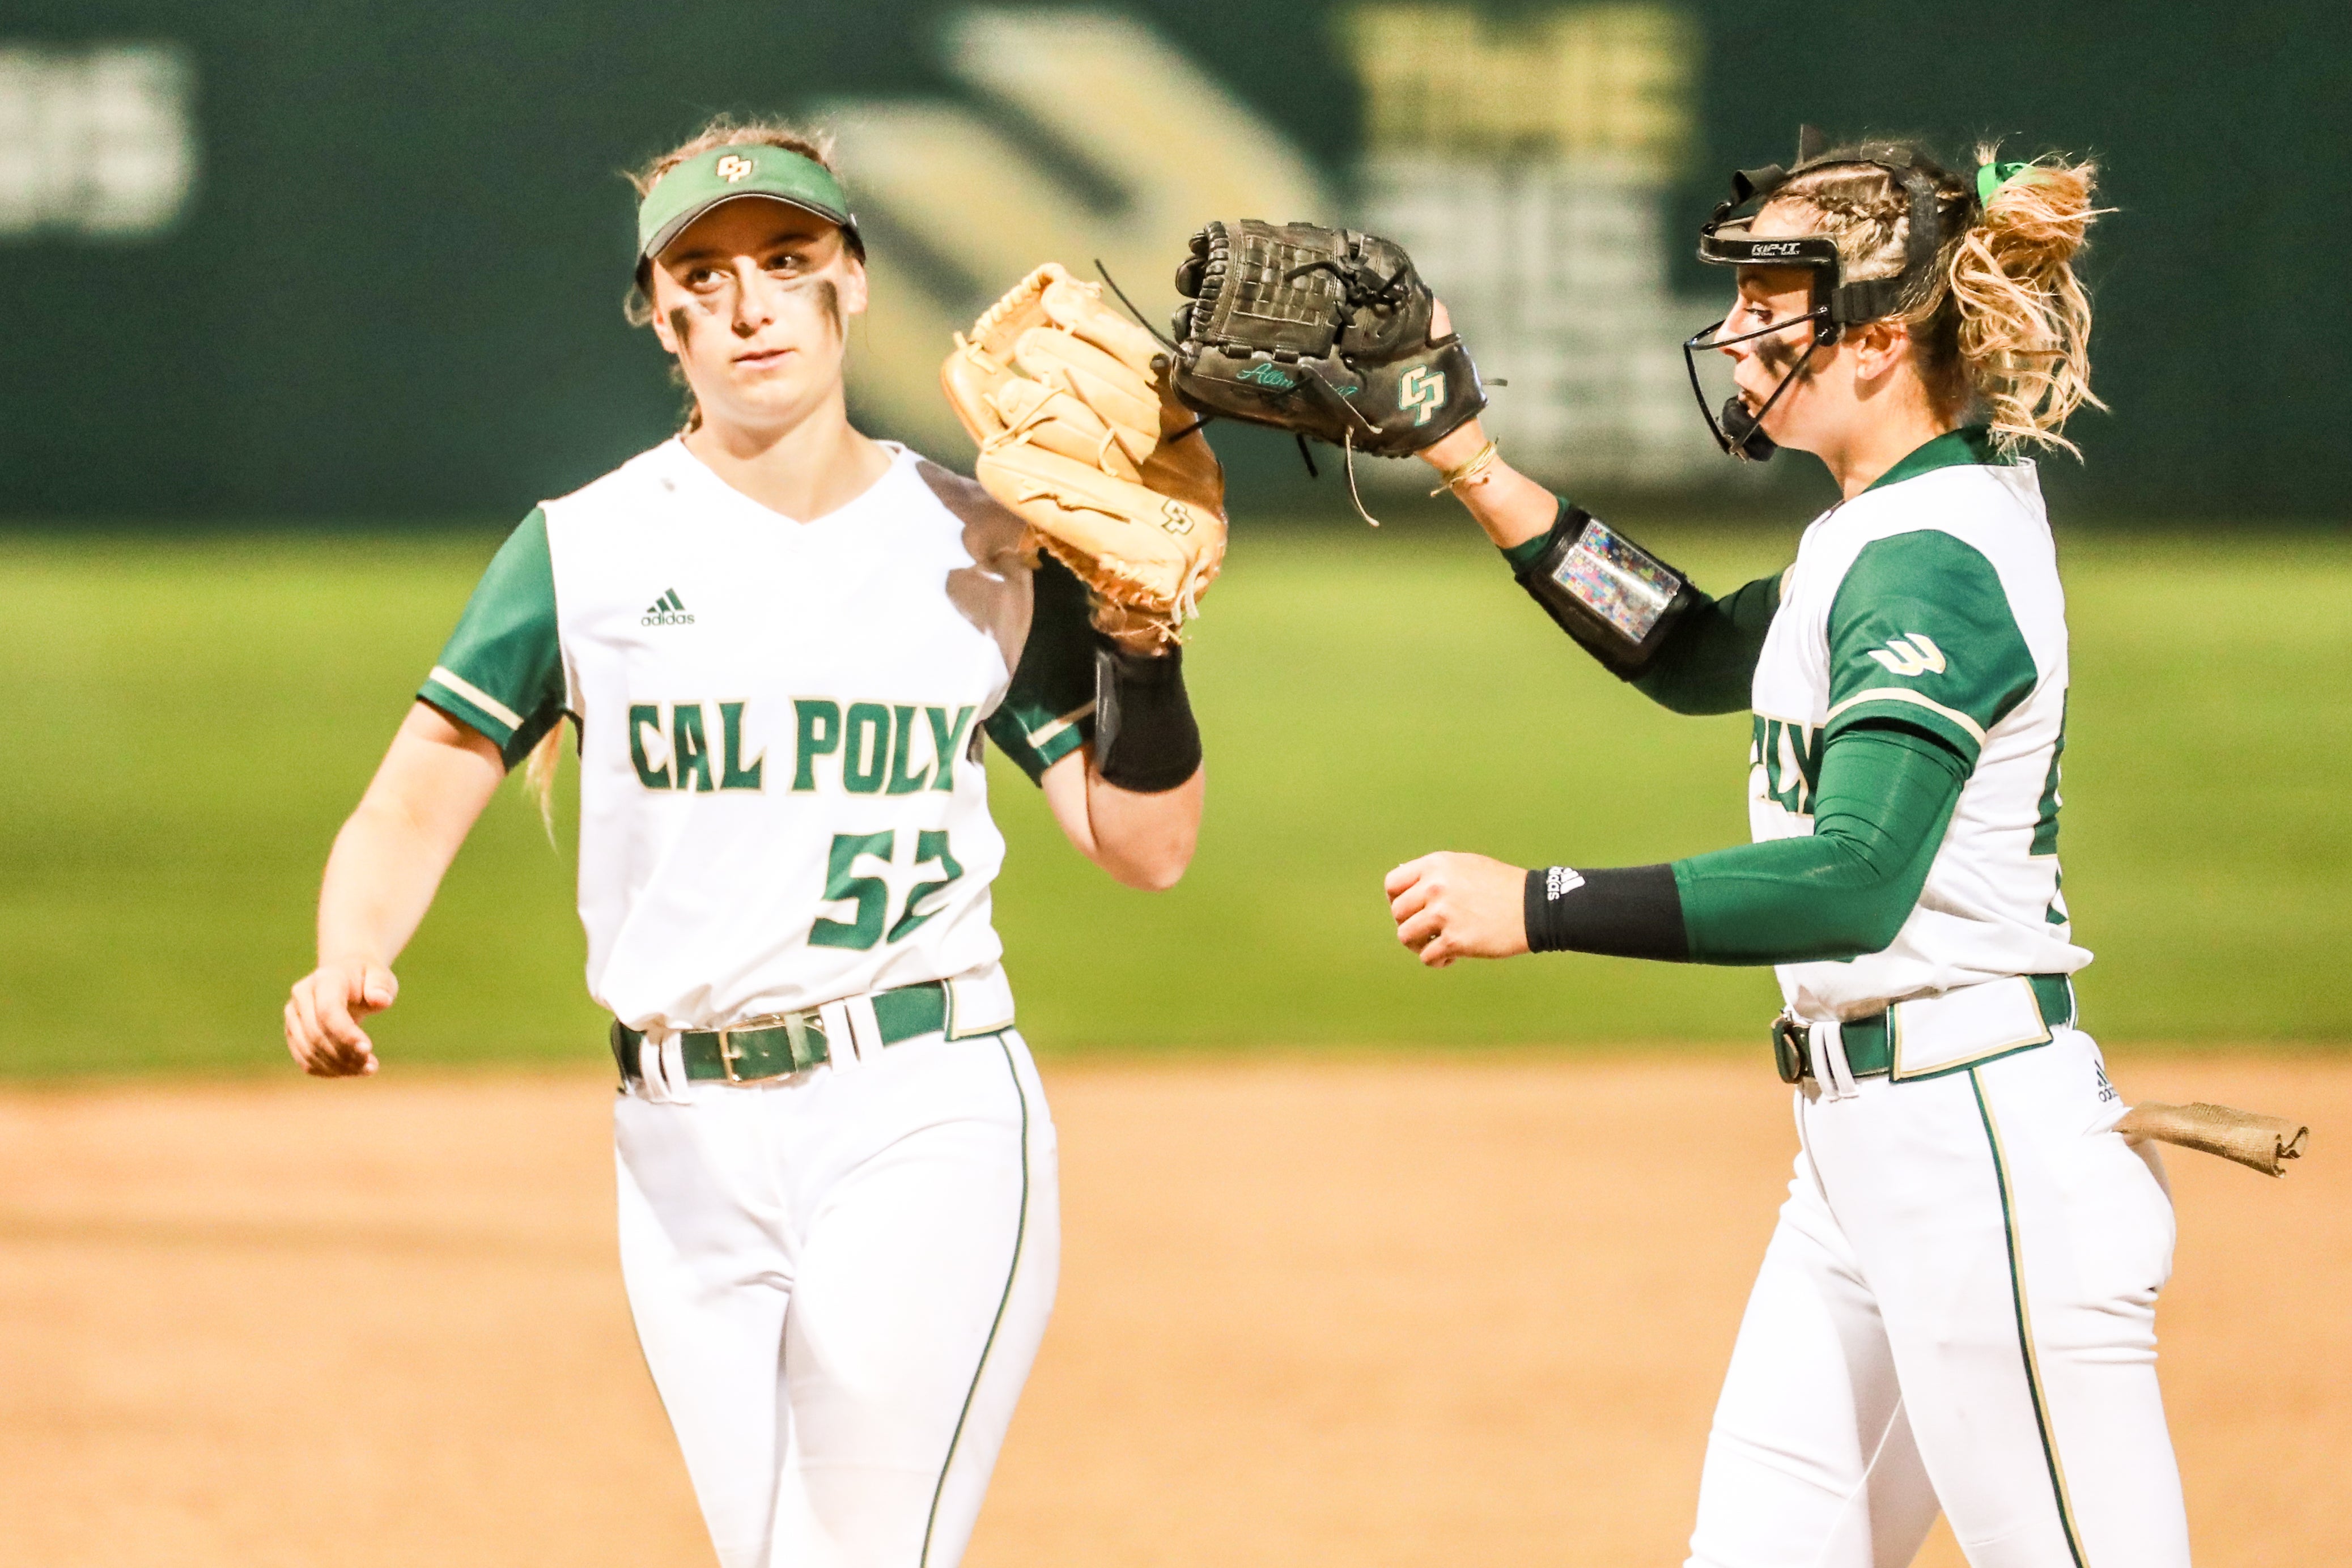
{"x": 1450, "y": 905}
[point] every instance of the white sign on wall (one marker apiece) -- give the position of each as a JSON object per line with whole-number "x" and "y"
{"x": 1171, "y": 145}
{"x": 1528, "y": 166}
{"x": 97, "y": 142}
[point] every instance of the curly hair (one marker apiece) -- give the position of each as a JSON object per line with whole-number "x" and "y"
{"x": 2003, "y": 320}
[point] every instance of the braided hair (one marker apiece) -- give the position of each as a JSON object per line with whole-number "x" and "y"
{"x": 2002, "y": 322}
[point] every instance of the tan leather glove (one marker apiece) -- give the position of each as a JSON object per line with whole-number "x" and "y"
{"x": 1081, "y": 439}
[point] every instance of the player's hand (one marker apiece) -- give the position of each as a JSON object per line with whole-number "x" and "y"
{"x": 1450, "y": 905}
{"x": 1458, "y": 446}
{"x": 322, "y": 1027}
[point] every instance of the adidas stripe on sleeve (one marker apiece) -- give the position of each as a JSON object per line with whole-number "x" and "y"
{"x": 502, "y": 672}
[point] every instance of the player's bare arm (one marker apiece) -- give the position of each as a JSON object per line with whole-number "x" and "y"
{"x": 1511, "y": 508}
{"x": 779, "y": 646}
{"x": 387, "y": 863}
{"x": 1143, "y": 841}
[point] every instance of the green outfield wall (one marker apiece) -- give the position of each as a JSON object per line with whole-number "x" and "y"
{"x": 344, "y": 260}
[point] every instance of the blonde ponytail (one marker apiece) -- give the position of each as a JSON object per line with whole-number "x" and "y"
{"x": 2024, "y": 328}
{"x": 2001, "y": 325}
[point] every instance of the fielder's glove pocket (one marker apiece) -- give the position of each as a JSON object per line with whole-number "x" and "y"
{"x": 1328, "y": 333}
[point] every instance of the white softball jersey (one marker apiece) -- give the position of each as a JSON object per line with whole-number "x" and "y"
{"x": 839, "y": 1277}
{"x": 782, "y": 797}
{"x": 1958, "y": 1309}
{"x": 1932, "y": 598}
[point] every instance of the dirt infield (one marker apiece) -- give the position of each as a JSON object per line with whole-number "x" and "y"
{"x": 1354, "y": 1313}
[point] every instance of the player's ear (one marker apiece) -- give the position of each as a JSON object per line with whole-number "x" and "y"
{"x": 1879, "y": 346}
{"x": 665, "y": 323}
{"x": 853, "y": 284}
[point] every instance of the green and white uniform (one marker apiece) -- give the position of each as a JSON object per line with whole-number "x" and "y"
{"x": 782, "y": 800}
{"x": 1957, "y": 1311}
{"x": 840, "y": 1275}
{"x": 1931, "y": 600}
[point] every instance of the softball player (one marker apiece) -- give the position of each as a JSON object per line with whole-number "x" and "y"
{"x": 1958, "y": 1308}
{"x": 780, "y": 643}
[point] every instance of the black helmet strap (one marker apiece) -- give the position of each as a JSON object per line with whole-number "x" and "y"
{"x": 1841, "y": 304}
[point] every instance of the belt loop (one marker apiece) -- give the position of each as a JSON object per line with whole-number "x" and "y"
{"x": 657, "y": 1079}
{"x": 864, "y": 1024}
{"x": 673, "y": 1065}
{"x": 1828, "y": 1060}
{"x": 842, "y": 1047}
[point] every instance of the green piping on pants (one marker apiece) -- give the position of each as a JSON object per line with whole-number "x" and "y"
{"x": 1020, "y": 1236}
{"x": 2025, "y": 1325}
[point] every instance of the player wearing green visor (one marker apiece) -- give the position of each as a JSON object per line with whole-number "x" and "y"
{"x": 1958, "y": 1309}
{"x": 781, "y": 644}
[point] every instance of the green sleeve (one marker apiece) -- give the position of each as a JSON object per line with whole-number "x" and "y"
{"x": 502, "y": 672}
{"x": 1886, "y": 795}
{"x": 1522, "y": 555}
{"x": 1921, "y": 633}
{"x": 1048, "y": 711}
{"x": 1709, "y": 664}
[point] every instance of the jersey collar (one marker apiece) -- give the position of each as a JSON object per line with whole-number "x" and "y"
{"x": 1969, "y": 447}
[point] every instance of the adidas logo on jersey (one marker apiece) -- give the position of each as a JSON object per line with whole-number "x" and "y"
{"x": 1911, "y": 654}
{"x": 667, "y": 611}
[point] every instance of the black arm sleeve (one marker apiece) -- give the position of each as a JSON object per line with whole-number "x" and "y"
{"x": 1886, "y": 795}
{"x": 1623, "y": 912}
{"x": 1708, "y": 664}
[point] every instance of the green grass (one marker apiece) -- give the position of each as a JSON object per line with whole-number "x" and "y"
{"x": 189, "y": 721}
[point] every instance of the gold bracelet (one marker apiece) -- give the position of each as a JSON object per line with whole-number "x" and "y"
{"x": 1478, "y": 464}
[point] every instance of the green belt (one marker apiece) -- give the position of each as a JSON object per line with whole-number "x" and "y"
{"x": 782, "y": 1044}
{"x": 1869, "y": 1050}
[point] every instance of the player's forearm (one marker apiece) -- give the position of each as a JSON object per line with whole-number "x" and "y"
{"x": 1886, "y": 800}
{"x": 1709, "y": 666}
{"x": 1144, "y": 782}
{"x": 1145, "y": 841}
{"x": 380, "y": 879}
{"x": 390, "y": 857}
{"x": 1511, "y": 508}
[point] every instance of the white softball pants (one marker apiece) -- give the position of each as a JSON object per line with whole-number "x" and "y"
{"x": 840, "y": 1281}
{"x": 1957, "y": 1310}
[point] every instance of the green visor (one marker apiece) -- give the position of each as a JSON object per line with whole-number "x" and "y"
{"x": 732, "y": 173}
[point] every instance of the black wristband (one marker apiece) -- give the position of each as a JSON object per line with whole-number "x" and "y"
{"x": 1146, "y": 740}
{"x": 1624, "y": 912}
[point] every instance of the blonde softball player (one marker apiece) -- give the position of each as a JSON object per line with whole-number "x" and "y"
{"x": 1958, "y": 1309}
{"x": 780, "y": 644}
